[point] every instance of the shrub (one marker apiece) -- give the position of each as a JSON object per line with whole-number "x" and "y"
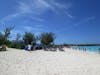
{"x": 47, "y": 38}
{"x": 29, "y": 38}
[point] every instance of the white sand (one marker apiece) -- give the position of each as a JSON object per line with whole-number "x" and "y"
{"x": 70, "y": 62}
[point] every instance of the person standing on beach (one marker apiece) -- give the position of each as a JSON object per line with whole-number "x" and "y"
{"x": 29, "y": 47}
{"x": 99, "y": 50}
{"x": 84, "y": 49}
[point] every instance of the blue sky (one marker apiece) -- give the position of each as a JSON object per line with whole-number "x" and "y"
{"x": 73, "y": 21}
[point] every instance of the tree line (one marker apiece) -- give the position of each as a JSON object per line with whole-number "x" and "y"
{"x": 45, "y": 38}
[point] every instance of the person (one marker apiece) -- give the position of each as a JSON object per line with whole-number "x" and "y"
{"x": 26, "y": 48}
{"x": 29, "y": 47}
{"x": 84, "y": 49}
{"x": 99, "y": 50}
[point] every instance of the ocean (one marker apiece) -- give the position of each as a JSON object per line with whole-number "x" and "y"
{"x": 87, "y": 48}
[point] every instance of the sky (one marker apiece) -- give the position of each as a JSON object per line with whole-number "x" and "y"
{"x": 72, "y": 21}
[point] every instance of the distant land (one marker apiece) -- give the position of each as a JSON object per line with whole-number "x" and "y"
{"x": 81, "y": 44}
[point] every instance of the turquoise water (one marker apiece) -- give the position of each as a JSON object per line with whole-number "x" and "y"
{"x": 88, "y": 48}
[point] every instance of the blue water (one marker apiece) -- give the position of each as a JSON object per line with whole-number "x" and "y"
{"x": 88, "y": 48}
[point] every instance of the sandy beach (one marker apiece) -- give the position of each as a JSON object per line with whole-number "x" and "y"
{"x": 40, "y": 62}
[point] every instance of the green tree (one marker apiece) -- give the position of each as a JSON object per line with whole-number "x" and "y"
{"x": 5, "y": 35}
{"x": 18, "y": 36}
{"x": 7, "y": 31}
{"x": 4, "y": 38}
{"x": 47, "y": 38}
{"x": 17, "y": 42}
{"x": 29, "y": 38}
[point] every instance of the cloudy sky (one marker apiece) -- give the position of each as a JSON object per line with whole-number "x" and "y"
{"x": 73, "y": 21}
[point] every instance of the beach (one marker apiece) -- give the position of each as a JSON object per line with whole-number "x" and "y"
{"x": 40, "y": 62}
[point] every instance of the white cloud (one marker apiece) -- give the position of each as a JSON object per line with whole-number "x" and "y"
{"x": 37, "y": 18}
{"x": 35, "y": 28}
{"x": 9, "y": 17}
{"x": 80, "y": 23}
{"x": 36, "y": 8}
{"x": 23, "y": 8}
{"x": 28, "y": 28}
{"x": 69, "y": 15}
{"x": 41, "y": 6}
{"x": 84, "y": 21}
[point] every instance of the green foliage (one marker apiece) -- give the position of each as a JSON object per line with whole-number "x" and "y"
{"x": 18, "y": 36}
{"x": 3, "y": 40}
{"x": 17, "y": 44}
{"x": 4, "y": 37}
{"x": 29, "y": 38}
{"x": 47, "y": 38}
{"x": 7, "y": 31}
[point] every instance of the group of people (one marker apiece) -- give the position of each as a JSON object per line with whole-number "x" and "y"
{"x": 28, "y": 47}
